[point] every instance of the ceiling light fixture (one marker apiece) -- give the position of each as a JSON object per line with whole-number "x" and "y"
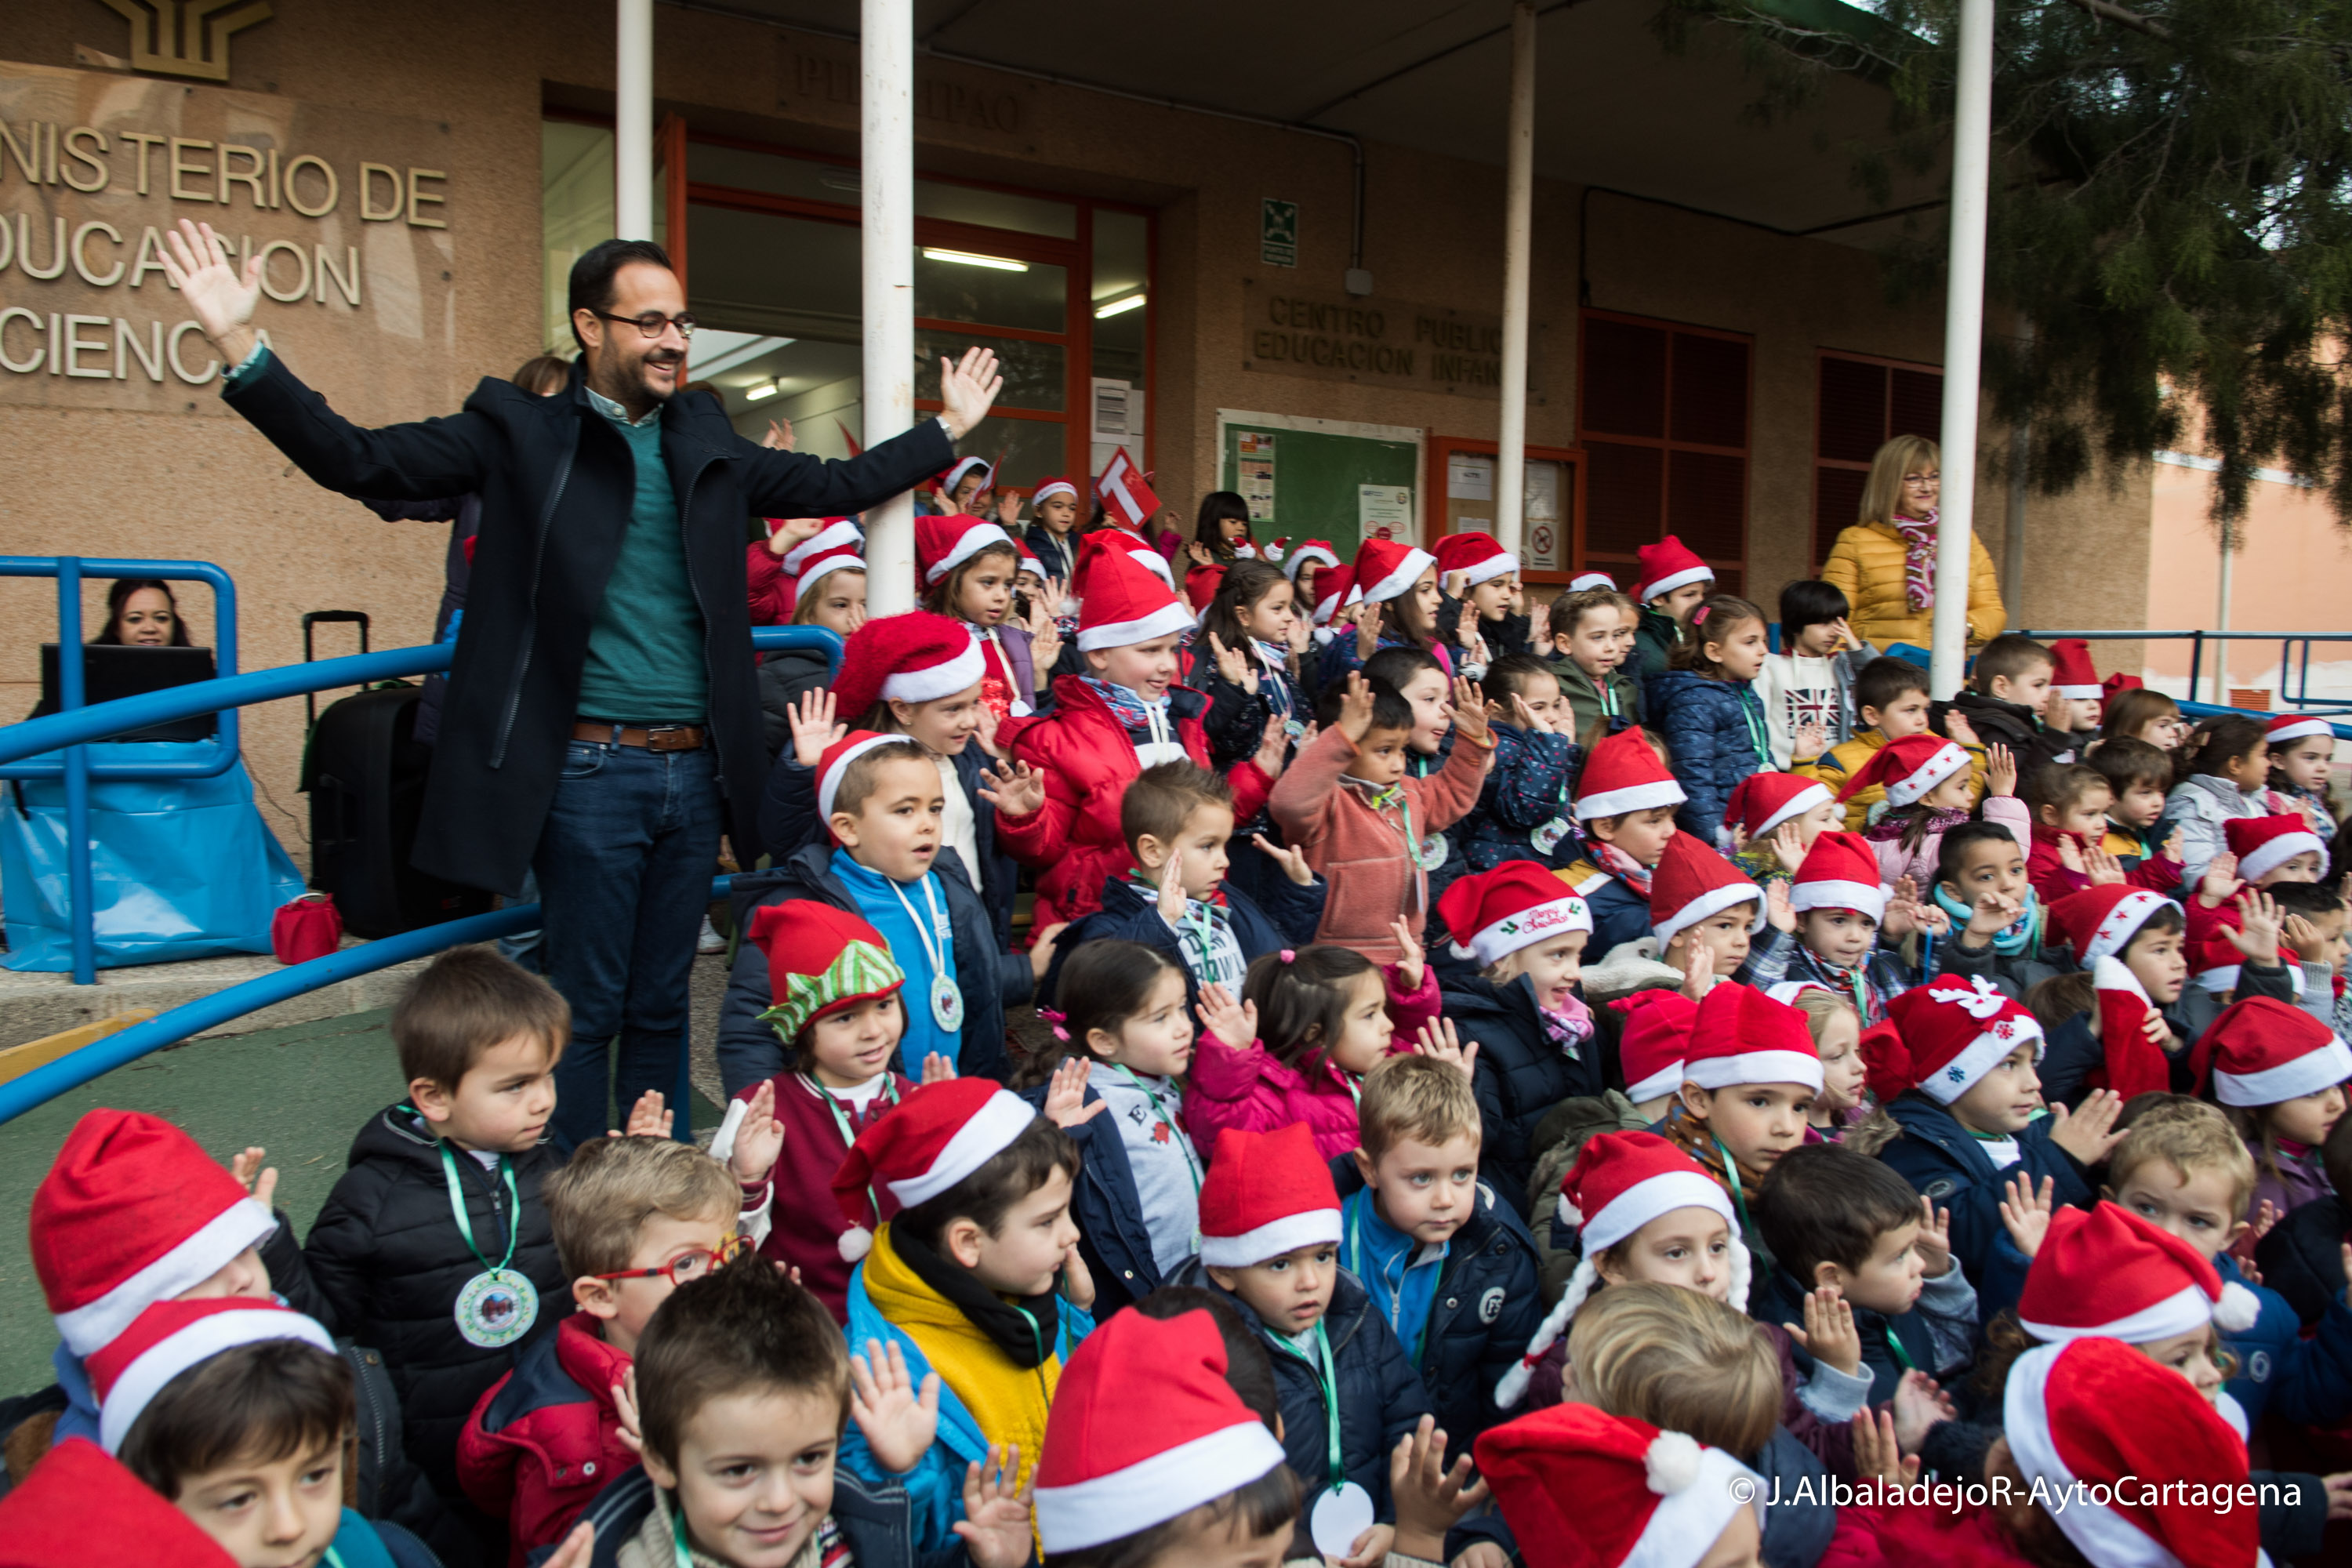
{"x": 765, "y": 389}
{"x": 970, "y": 258}
{"x": 1118, "y": 307}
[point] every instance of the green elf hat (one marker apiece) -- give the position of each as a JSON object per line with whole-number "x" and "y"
{"x": 820, "y": 960}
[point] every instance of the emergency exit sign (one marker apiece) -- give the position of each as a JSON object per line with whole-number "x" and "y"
{"x": 1277, "y": 243}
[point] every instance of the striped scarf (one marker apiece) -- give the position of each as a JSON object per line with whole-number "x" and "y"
{"x": 1131, "y": 710}
{"x": 1919, "y": 558}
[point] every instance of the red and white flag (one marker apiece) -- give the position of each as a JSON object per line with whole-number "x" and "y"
{"x": 1125, "y": 495}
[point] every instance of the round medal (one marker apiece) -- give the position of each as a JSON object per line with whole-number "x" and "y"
{"x": 1547, "y": 839}
{"x": 1430, "y": 853}
{"x": 496, "y": 1309}
{"x": 1294, "y": 728}
{"x": 947, "y": 1003}
{"x": 1341, "y": 1515}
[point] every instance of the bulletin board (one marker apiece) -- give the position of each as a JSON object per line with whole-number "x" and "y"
{"x": 1322, "y": 479}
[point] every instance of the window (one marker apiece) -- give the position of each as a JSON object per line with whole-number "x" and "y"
{"x": 1664, "y": 414}
{"x": 1863, "y": 404}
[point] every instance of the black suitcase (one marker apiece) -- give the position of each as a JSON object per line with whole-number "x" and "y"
{"x": 363, "y": 769}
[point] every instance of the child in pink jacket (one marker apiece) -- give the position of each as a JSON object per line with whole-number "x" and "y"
{"x": 1929, "y": 792}
{"x": 1310, "y": 1024}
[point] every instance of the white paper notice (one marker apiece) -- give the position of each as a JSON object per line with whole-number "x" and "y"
{"x": 1470, "y": 475}
{"x": 1384, "y": 511}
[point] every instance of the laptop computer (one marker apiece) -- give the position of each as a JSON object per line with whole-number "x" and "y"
{"x": 111, "y": 670}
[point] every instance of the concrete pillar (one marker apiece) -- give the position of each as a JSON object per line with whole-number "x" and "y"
{"x": 1519, "y": 212}
{"x": 887, "y": 170}
{"x": 1963, "y": 344}
{"x": 632, "y": 122}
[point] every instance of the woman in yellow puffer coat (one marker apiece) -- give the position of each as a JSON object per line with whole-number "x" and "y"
{"x": 1886, "y": 564}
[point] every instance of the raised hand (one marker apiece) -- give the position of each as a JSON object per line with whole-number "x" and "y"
{"x": 1431, "y": 1496}
{"x": 631, "y": 1429}
{"x": 1367, "y": 629}
{"x": 1919, "y": 1403}
{"x": 2256, "y": 936}
{"x": 2001, "y": 772}
{"x": 578, "y": 1549}
{"x": 968, "y": 387}
{"x": 1066, "y": 1093}
{"x": 1232, "y": 1023}
{"x": 1935, "y": 1242}
{"x": 2220, "y": 878}
{"x": 985, "y": 735}
{"x": 1273, "y": 747}
{"x": 1169, "y": 899}
{"x": 780, "y": 437}
{"x": 814, "y": 733}
{"x": 899, "y": 1422}
{"x": 1878, "y": 1450}
{"x": 1293, "y": 861}
{"x": 1788, "y": 843}
{"x": 995, "y": 1522}
{"x": 2303, "y": 937}
{"x": 1018, "y": 791}
{"x": 1957, "y": 729}
{"x": 1468, "y": 709}
{"x": 196, "y": 262}
{"x": 1041, "y": 948}
{"x": 1045, "y": 636}
{"x": 1829, "y": 1334}
{"x": 1810, "y": 741}
{"x": 2088, "y": 1132}
{"x": 2025, "y": 1213}
{"x": 649, "y": 1118}
{"x": 1198, "y": 553}
{"x": 1438, "y": 1039}
{"x": 1356, "y": 706}
{"x": 252, "y": 1176}
{"x": 1780, "y": 912}
{"x": 2103, "y": 869}
{"x": 1698, "y": 971}
{"x": 938, "y": 1068}
{"x": 759, "y": 1140}
{"x": 1410, "y": 954}
{"x": 1234, "y": 666}
{"x": 2070, "y": 854}
{"x": 1994, "y": 913}
{"x": 1526, "y": 718}
{"x": 1466, "y": 629}
{"x": 1008, "y": 509}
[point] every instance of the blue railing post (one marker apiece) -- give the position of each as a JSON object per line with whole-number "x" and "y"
{"x": 81, "y": 887}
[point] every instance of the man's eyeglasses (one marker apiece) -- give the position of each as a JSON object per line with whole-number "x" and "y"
{"x": 686, "y": 1266}
{"x": 652, "y": 322}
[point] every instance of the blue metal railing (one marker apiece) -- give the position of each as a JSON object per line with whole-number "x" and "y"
{"x": 2289, "y": 642}
{"x": 78, "y": 727}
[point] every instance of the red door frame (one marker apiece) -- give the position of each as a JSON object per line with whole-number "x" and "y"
{"x": 1442, "y": 447}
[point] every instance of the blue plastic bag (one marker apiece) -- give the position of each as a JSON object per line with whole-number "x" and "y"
{"x": 181, "y": 867}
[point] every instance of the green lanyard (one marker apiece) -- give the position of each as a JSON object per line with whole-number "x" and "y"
{"x": 1608, "y": 695}
{"x": 684, "y": 1554}
{"x": 1185, "y": 927}
{"x": 1900, "y": 1353}
{"x": 1758, "y": 736}
{"x": 1183, "y": 1143}
{"x": 841, "y": 1120}
{"x": 333, "y": 1558}
{"x": 1328, "y": 1384}
{"x": 1731, "y": 1169}
{"x": 466, "y": 1226}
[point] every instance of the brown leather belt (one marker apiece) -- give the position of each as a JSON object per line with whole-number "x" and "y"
{"x": 653, "y": 738}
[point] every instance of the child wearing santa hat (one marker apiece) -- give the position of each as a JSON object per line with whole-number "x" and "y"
{"x": 1958, "y": 1073}
{"x": 1589, "y": 639}
{"x": 920, "y": 676}
{"x": 1703, "y": 909}
{"x": 2071, "y": 713}
{"x": 1840, "y": 910}
{"x": 2281, "y": 1076}
{"x": 966, "y": 567}
{"x": 1772, "y": 815}
{"x": 2259, "y": 852}
{"x": 1058, "y": 803}
{"x": 1929, "y": 789}
{"x": 1270, "y": 1233}
{"x": 1474, "y": 570}
{"x": 1750, "y": 1075}
{"x": 831, "y": 593}
{"x": 772, "y": 566}
{"x": 1625, "y": 805}
{"x": 1403, "y": 607}
{"x": 1669, "y": 585}
{"x": 45, "y": 1518}
{"x": 977, "y": 1278}
{"x": 1150, "y": 1456}
{"x": 1337, "y": 604}
{"x": 2303, "y": 764}
{"x": 1054, "y": 533}
{"x": 1538, "y": 1042}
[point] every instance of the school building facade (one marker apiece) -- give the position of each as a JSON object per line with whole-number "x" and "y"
{"x": 1260, "y": 249}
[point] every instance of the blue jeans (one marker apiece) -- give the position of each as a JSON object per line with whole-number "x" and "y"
{"x": 625, "y": 864}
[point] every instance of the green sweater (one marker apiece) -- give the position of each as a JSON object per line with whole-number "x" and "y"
{"x": 644, "y": 650}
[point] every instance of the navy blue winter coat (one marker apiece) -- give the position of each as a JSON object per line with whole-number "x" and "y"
{"x": 1620, "y": 914}
{"x": 1947, "y": 1163}
{"x": 2305, "y": 1381}
{"x": 1380, "y": 1394}
{"x": 1518, "y": 1077}
{"x": 1709, "y": 735}
{"x": 1129, "y": 913}
{"x": 1485, "y": 1312}
{"x": 992, "y": 978}
{"x": 788, "y": 821}
{"x": 1526, "y": 787}
{"x": 2301, "y": 1259}
{"x": 1109, "y": 1211}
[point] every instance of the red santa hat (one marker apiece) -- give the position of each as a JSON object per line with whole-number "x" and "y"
{"x": 1308, "y": 549}
{"x": 2288, "y": 728}
{"x": 834, "y": 765}
{"x": 1479, "y": 557}
{"x": 1584, "y": 1488}
{"x": 128, "y": 1371}
{"x": 1741, "y": 1036}
{"x": 1950, "y": 1032}
{"x": 2096, "y": 1422}
{"x": 1693, "y": 882}
{"x": 1028, "y": 561}
{"x": 132, "y": 1213}
{"x": 821, "y": 960}
{"x": 1519, "y": 903}
{"x": 940, "y": 1133}
{"x": 1201, "y": 586}
{"x": 2114, "y": 686}
{"x": 2074, "y": 676}
{"x": 832, "y": 561}
{"x": 2099, "y": 922}
{"x": 1335, "y": 590}
{"x": 1655, "y": 1038}
{"x": 917, "y": 657}
{"x": 1840, "y": 872}
{"x": 2263, "y": 1051}
{"x": 1620, "y": 1183}
{"x": 1667, "y": 565}
{"x": 1761, "y": 802}
{"x": 1047, "y": 488}
{"x": 50, "y": 1519}
{"x": 955, "y": 476}
{"x": 1592, "y": 581}
{"x": 1387, "y": 568}
{"x": 1105, "y": 543}
{"x": 944, "y": 542}
{"x": 1621, "y": 775}
{"x": 2132, "y": 1063}
{"x": 2107, "y": 1271}
{"x": 1908, "y": 769}
{"x": 1144, "y": 1428}
{"x": 1266, "y": 1193}
{"x": 2264, "y": 843}
{"x": 838, "y": 534}
{"x": 1126, "y": 604}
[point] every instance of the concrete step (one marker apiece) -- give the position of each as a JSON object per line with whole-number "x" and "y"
{"x": 32, "y": 1007}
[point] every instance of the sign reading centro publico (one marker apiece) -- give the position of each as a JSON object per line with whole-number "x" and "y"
{"x": 347, "y": 211}
{"x": 1334, "y": 337}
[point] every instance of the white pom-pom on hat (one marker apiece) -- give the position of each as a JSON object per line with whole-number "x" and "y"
{"x": 2238, "y": 1309}
{"x": 856, "y": 1243}
{"x": 1672, "y": 1462}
